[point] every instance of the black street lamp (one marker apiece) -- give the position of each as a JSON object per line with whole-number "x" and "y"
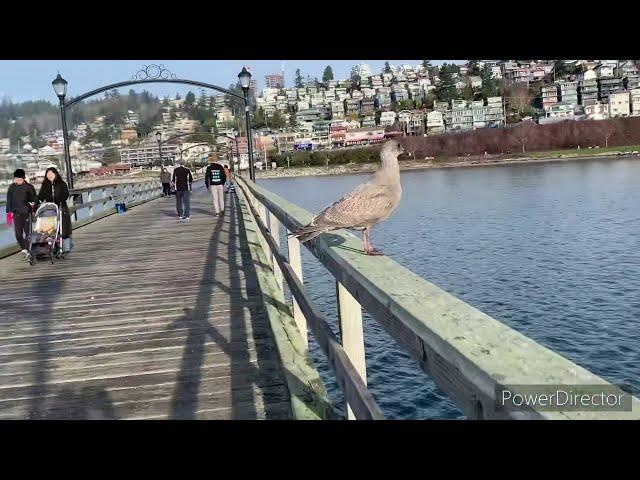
{"x": 60, "y": 87}
{"x": 159, "y": 139}
{"x": 245, "y": 81}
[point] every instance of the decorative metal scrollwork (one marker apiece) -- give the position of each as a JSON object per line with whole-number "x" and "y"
{"x": 153, "y": 72}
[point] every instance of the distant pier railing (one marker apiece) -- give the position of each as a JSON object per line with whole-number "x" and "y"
{"x": 470, "y": 356}
{"x": 90, "y": 204}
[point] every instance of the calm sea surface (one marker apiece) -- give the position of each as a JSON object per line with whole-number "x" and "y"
{"x": 552, "y": 250}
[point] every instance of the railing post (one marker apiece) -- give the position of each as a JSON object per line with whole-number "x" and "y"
{"x": 274, "y": 228}
{"x": 295, "y": 260}
{"x": 89, "y": 200}
{"x": 262, "y": 215}
{"x": 352, "y": 333}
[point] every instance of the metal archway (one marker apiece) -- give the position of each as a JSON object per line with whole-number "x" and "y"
{"x": 151, "y": 74}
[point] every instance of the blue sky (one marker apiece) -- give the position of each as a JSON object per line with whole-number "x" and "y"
{"x": 22, "y": 80}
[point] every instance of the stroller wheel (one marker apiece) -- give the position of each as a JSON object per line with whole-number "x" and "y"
{"x": 31, "y": 259}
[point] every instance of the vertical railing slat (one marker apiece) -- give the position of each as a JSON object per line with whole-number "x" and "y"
{"x": 274, "y": 227}
{"x": 295, "y": 260}
{"x": 352, "y": 333}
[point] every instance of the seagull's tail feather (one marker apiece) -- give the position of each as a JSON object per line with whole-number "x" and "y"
{"x": 309, "y": 232}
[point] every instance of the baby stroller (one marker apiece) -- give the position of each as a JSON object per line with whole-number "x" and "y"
{"x": 45, "y": 234}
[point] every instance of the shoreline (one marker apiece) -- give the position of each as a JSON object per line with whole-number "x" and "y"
{"x": 408, "y": 165}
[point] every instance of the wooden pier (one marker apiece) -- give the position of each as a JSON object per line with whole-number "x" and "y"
{"x": 150, "y": 317}
{"x": 153, "y": 317}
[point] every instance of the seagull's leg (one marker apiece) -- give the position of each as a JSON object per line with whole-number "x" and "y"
{"x": 368, "y": 247}
{"x": 365, "y": 238}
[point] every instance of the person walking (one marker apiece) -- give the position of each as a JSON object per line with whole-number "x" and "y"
{"x": 214, "y": 180}
{"x": 165, "y": 178}
{"x": 182, "y": 180}
{"x": 20, "y": 197}
{"x": 229, "y": 177}
{"x": 54, "y": 189}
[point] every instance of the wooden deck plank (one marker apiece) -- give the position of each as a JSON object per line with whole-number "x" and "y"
{"x": 150, "y": 317}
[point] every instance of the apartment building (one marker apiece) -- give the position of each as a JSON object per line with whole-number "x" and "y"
{"x": 364, "y": 136}
{"x": 619, "y": 104}
{"x": 608, "y": 85}
{"x": 568, "y": 92}
{"x": 635, "y": 102}
{"x": 435, "y": 122}
{"x": 387, "y": 118}
{"x": 148, "y": 155}
{"x": 549, "y": 96}
{"x": 588, "y": 91}
{"x": 597, "y": 111}
{"x": 560, "y": 110}
{"x": 274, "y": 81}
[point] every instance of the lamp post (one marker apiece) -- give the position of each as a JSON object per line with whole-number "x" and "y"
{"x": 159, "y": 139}
{"x": 245, "y": 81}
{"x": 60, "y": 87}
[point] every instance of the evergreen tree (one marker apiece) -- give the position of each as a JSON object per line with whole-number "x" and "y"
{"x": 473, "y": 68}
{"x": 190, "y": 99}
{"x": 446, "y": 90}
{"x": 467, "y": 93}
{"x": 489, "y": 84}
{"x": 328, "y": 74}
{"x": 387, "y": 67}
{"x": 132, "y": 101}
{"x": 277, "y": 120}
{"x": 298, "y": 79}
{"x": 560, "y": 69}
{"x": 258, "y": 120}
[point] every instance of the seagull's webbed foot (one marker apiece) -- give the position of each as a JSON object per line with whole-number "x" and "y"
{"x": 368, "y": 247}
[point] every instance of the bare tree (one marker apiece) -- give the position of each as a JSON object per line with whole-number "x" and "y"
{"x": 522, "y": 133}
{"x": 520, "y": 97}
{"x": 610, "y": 130}
{"x": 411, "y": 145}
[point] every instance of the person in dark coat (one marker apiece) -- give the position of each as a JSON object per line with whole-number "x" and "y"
{"x": 165, "y": 178}
{"x": 182, "y": 179}
{"x": 20, "y": 196}
{"x": 55, "y": 190}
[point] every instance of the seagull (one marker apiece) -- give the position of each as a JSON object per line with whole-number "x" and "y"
{"x": 367, "y": 205}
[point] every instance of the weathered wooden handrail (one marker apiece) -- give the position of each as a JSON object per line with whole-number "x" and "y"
{"x": 469, "y": 355}
{"x": 362, "y": 403}
{"x": 127, "y": 192}
{"x": 107, "y": 196}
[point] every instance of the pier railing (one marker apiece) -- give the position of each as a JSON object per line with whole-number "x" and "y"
{"x": 472, "y": 357}
{"x": 90, "y": 204}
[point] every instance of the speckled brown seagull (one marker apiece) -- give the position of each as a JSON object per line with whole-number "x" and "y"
{"x": 367, "y": 205}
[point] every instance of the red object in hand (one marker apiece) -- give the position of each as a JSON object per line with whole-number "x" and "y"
{"x": 9, "y": 218}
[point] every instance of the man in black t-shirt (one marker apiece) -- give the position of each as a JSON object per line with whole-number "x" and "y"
{"x": 214, "y": 180}
{"x": 182, "y": 179}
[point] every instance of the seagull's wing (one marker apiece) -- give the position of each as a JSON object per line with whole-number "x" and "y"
{"x": 365, "y": 205}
